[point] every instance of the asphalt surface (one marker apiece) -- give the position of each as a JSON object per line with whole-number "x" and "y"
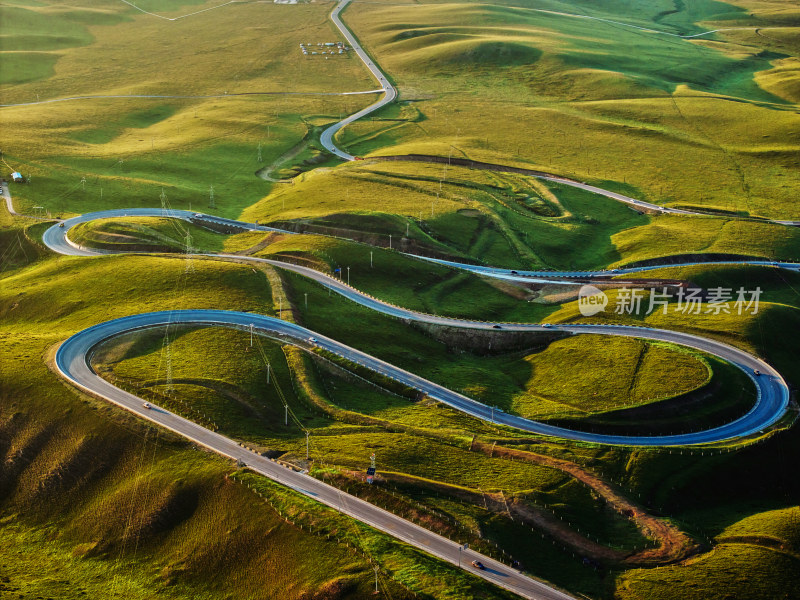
{"x": 390, "y": 93}
{"x": 74, "y": 355}
{"x": 72, "y": 362}
{"x": 772, "y": 389}
{"x": 542, "y": 276}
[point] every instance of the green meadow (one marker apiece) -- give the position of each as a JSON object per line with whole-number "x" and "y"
{"x": 218, "y": 111}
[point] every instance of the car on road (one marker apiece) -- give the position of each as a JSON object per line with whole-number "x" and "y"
{"x": 478, "y": 565}
{"x": 496, "y": 327}
{"x": 756, "y": 372}
{"x": 514, "y": 273}
{"x": 147, "y": 405}
{"x": 547, "y": 325}
{"x": 313, "y": 340}
{"x": 198, "y": 215}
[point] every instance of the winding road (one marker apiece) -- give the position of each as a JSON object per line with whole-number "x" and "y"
{"x": 598, "y": 275}
{"x": 390, "y": 93}
{"x": 73, "y": 362}
{"x": 773, "y": 392}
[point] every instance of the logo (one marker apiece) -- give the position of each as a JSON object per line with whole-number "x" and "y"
{"x": 591, "y": 300}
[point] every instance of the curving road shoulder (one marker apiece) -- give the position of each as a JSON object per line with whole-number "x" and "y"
{"x": 390, "y": 93}
{"x": 772, "y": 390}
{"x": 72, "y": 362}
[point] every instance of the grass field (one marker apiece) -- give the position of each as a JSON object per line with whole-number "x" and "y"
{"x": 594, "y": 109}
{"x": 103, "y": 153}
{"x": 95, "y": 503}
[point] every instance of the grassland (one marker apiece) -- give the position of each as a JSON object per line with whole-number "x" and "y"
{"x": 95, "y": 503}
{"x": 102, "y": 153}
{"x": 163, "y": 234}
{"x": 154, "y": 500}
{"x": 642, "y": 118}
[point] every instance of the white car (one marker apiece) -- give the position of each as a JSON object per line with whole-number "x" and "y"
{"x": 313, "y": 340}
{"x": 147, "y": 405}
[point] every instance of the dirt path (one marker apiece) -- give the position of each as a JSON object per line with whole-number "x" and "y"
{"x": 673, "y": 544}
{"x": 265, "y": 173}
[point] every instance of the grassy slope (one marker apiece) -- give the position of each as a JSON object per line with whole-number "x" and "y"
{"x": 131, "y": 150}
{"x": 149, "y": 500}
{"x": 153, "y": 501}
{"x": 640, "y": 117}
{"x": 140, "y": 233}
{"x": 251, "y": 411}
{"x": 729, "y": 154}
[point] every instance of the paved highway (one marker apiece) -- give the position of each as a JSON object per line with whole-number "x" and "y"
{"x": 541, "y": 276}
{"x": 390, "y": 93}
{"x": 72, "y": 362}
{"x": 74, "y": 354}
{"x": 773, "y": 392}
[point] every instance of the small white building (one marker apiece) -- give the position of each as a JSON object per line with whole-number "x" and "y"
{"x": 17, "y": 177}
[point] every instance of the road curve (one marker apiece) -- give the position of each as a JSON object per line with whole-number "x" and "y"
{"x": 772, "y": 390}
{"x": 542, "y": 276}
{"x": 390, "y": 93}
{"x": 638, "y": 205}
{"x": 72, "y": 362}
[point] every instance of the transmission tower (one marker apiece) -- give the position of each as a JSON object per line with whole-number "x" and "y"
{"x": 189, "y": 264}
{"x": 168, "y": 359}
{"x": 259, "y": 151}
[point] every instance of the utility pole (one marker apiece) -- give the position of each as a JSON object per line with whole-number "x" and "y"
{"x": 348, "y": 275}
{"x": 259, "y": 152}
{"x": 280, "y": 307}
{"x": 251, "y": 344}
{"x": 492, "y": 413}
{"x": 211, "y": 203}
{"x": 461, "y": 549}
{"x": 390, "y": 241}
{"x": 83, "y": 183}
{"x": 376, "y": 568}
{"x": 306, "y": 295}
{"x": 370, "y": 259}
{"x": 188, "y": 241}
{"x": 268, "y": 365}
{"x": 307, "y": 434}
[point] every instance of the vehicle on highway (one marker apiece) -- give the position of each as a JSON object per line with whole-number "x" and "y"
{"x": 514, "y": 273}
{"x": 61, "y": 224}
{"x": 313, "y": 340}
{"x": 478, "y": 565}
{"x": 147, "y": 405}
{"x": 756, "y": 372}
{"x": 547, "y": 325}
{"x": 198, "y": 215}
{"x": 496, "y": 327}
